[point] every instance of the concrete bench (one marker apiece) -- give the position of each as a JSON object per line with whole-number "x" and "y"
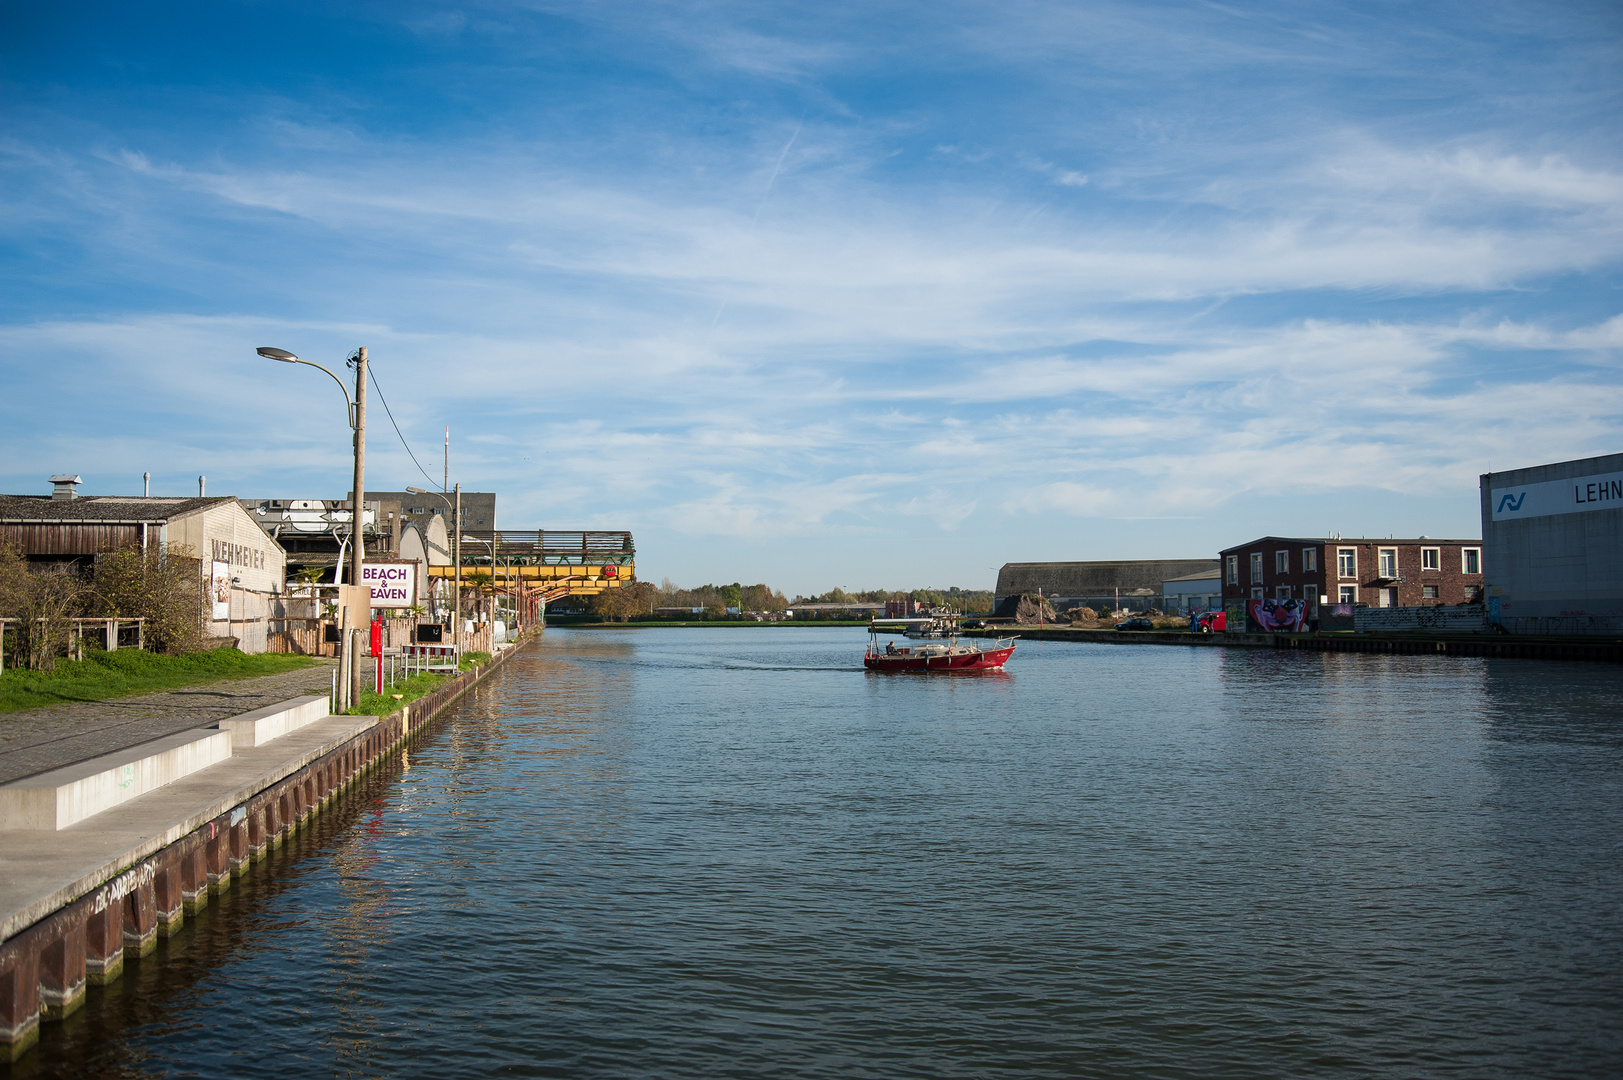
{"x": 273, "y": 721}
{"x": 61, "y": 797}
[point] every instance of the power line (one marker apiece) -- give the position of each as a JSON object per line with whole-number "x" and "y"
{"x": 386, "y": 409}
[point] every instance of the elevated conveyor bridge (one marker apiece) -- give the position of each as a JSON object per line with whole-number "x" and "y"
{"x": 550, "y": 562}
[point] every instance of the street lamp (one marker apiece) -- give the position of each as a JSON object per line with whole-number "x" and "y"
{"x": 356, "y": 412}
{"x": 492, "y": 547}
{"x": 456, "y": 548}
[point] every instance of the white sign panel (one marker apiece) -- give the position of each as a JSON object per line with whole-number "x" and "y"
{"x": 393, "y": 584}
{"x": 220, "y": 590}
{"x": 1575, "y": 496}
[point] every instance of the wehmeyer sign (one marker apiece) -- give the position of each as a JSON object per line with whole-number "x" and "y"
{"x": 393, "y": 584}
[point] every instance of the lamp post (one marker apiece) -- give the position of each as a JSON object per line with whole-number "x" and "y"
{"x": 357, "y": 421}
{"x": 492, "y": 547}
{"x": 456, "y": 548}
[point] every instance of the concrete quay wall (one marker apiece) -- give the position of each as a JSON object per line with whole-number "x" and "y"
{"x": 82, "y": 902}
{"x": 1540, "y": 647}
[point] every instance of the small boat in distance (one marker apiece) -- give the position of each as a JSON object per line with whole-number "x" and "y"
{"x": 944, "y": 656}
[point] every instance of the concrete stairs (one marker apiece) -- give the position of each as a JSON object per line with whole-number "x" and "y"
{"x": 62, "y": 797}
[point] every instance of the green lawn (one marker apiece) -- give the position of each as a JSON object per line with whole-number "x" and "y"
{"x": 103, "y": 675}
{"x": 409, "y": 689}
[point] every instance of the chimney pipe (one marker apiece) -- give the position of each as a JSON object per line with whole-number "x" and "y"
{"x": 146, "y": 485}
{"x": 200, "y": 487}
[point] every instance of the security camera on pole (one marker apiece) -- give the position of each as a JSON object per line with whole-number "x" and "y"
{"x": 354, "y": 611}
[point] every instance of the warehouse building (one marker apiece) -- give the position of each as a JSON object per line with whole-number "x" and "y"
{"x": 242, "y": 569}
{"x": 1554, "y": 540}
{"x": 1104, "y": 586}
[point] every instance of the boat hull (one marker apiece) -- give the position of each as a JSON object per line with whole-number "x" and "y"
{"x": 960, "y": 663}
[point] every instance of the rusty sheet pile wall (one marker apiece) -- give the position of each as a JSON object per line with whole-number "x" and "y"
{"x": 47, "y": 966}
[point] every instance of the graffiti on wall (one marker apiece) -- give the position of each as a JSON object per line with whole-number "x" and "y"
{"x": 1279, "y": 616}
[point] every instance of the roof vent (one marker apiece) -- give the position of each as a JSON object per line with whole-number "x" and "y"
{"x": 67, "y": 486}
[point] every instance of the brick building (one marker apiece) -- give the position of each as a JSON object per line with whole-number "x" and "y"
{"x": 1379, "y": 573}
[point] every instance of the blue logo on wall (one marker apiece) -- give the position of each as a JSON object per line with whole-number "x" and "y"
{"x": 1512, "y": 502}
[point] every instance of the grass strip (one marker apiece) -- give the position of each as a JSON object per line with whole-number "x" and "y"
{"x": 406, "y": 690}
{"x": 103, "y": 675}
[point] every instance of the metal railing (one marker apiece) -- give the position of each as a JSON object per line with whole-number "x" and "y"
{"x": 556, "y": 547}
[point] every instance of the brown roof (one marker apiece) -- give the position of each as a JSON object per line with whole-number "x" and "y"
{"x": 1349, "y": 541}
{"x": 103, "y": 509}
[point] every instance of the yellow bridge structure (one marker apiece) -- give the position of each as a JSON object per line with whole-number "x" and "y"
{"x": 546, "y": 562}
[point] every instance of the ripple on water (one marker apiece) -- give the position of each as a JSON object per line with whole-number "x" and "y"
{"x": 734, "y": 853}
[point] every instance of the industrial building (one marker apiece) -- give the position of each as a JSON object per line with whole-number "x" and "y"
{"x": 1104, "y": 586}
{"x": 243, "y": 569}
{"x": 1554, "y": 543}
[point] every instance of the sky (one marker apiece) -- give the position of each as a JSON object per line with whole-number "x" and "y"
{"x": 859, "y": 295}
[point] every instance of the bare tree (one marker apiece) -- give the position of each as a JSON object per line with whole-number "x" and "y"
{"x": 44, "y": 601}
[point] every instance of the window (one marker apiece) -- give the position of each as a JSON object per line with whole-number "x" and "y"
{"x": 1282, "y": 592}
{"x": 1430, "y": 559}
{"x": 1349, "y": 595}
{"x": 1389, "y": 562}
{"x": 1428, "y": 592}
{"x": 1256, "y": 567}
{"x": 1310, "y": 559}
{"x": 1386, "y": 597}
{"x": 1470, "y": 560}
{"x": 1233, "y": 569}
{"x": 1346, "y": 562}
{"x": 1256, "y": 592}
{"x": 1473, "y": 594}
{"x": 1282, "y": 562}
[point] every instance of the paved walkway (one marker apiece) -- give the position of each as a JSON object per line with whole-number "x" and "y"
{"x": 37, "y": 740}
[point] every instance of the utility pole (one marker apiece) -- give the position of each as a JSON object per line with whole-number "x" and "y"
{"x": 456, "y": 548}
{"x": 358, "y": 508}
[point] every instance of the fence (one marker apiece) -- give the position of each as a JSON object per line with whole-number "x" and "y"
{"x": 108, "y": 634}
{"x": 308, "y": 636}
{"x": 1434, "y": 619}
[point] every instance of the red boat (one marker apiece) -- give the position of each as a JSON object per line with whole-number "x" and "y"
{"x": 945, "y": 656}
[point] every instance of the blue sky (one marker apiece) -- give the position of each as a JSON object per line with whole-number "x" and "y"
{"x": 863, "y": 295}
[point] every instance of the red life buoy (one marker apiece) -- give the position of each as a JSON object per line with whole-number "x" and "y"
{"x": 610, "y": 571}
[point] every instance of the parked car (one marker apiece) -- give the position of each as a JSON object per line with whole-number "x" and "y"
{"x": 1210, "y": 621}
{"x": 1135, "y": 623}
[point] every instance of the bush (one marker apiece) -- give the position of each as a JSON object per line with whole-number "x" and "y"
{"x": 163, "y": 589}
{"x": 44, "y": 601}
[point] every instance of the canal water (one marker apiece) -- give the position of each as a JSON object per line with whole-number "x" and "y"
{"x": 733, "y": 853}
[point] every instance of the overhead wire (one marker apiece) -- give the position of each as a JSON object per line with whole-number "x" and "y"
{"x": 373, "y": 372}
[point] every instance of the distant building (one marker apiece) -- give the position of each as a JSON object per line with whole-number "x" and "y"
{"x": 242, "y": 568}
{"x": 1134, "y": 585}
{"x": 317, "y": 533}
{"x": 478, "y": 507}
{"x": 1327, "y": 570}
{"x": 1190, "y": 593}
{"x": 1554, "y": 540}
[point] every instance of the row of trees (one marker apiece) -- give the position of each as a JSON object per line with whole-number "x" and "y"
{"x": 964, "y": 601}
{"x": 166, "y": 590}
{"x": 643, "y": 599}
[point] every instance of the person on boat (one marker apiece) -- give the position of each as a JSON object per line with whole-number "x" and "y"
{"x": 890, "y": 648}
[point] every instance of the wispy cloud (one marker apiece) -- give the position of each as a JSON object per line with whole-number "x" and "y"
{"x": 1019, "y": 280}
